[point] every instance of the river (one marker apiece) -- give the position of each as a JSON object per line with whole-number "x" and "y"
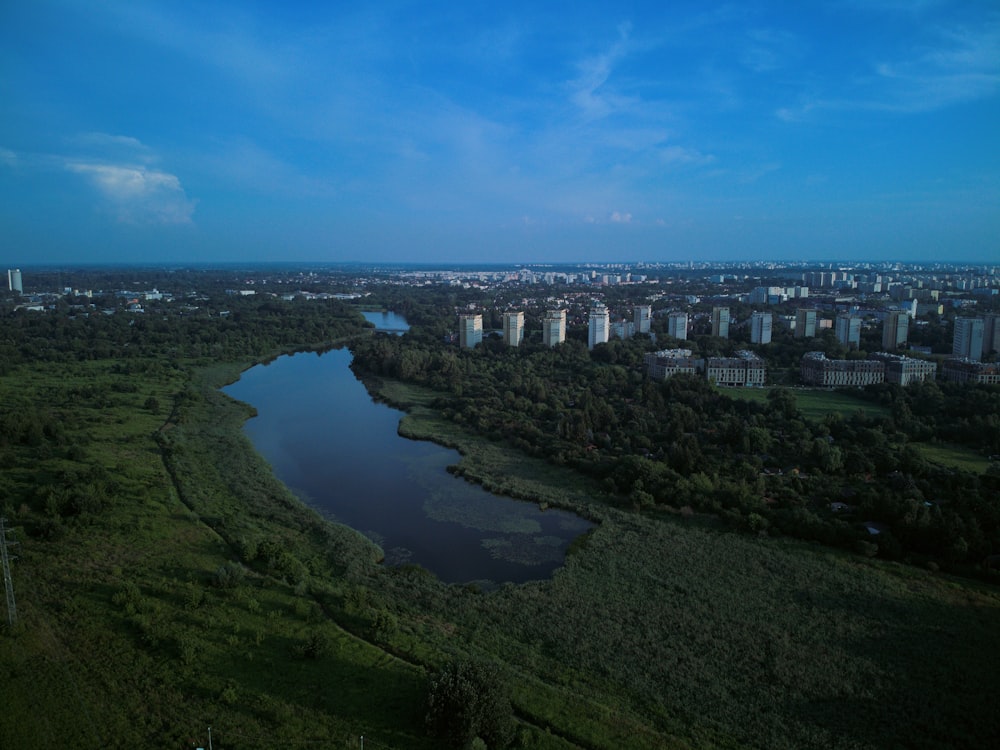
{"x": 340, "y": 452}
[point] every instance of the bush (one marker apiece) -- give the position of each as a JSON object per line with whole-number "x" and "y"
{"x": 467, "y": 700}
{"x": 229, "y": 575}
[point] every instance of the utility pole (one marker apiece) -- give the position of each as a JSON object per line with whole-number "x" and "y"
{"x": 8, "y": 582}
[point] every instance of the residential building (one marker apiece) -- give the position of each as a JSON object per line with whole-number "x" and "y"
{"x": 677, "y": 325}
{"x": 895, "y": 330}
{"x": 805, "y": 323}
{"x": 513, "y": 328}
{"x": 720, "y": 322}
{"x": 849, "y": 330}
{"x": 643, "y": 315}
{"x": 760, "y": 327}
{"x": 14, "y": 280}
{"x": 669, "y": 362}
{"x": 470, "y": 330}
{"x": 746, "y": 368}
{"x": 767, "y": 295}
{"x": 816, "y": 369}
{"x": 991, "y": 334}
{"x": 968, "y": 371}
{"x": 930, "y": 308}
{"x": 554, "y": 327}
{"x": 968, "y": 341}
{"x": 600, "y": 325}
{"x": 622, "y": 329}
{"x": 905, "y": 370}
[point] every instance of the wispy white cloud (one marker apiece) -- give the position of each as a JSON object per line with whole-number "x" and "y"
{"x": 769, "y": 49}
{"x": 619, "y": 217}
{"x": 242, "y": 164}
{"x": 225, "y": 39}
{"x": 589, "y": 90}
{"x": 136, "y": 194}
{"x": 679, "y": 155}
{"x": 114, "y": 145}
{"x": 966, "y": 66}
{"x": 962, "y": 64}
{"x": 120, "y": 168}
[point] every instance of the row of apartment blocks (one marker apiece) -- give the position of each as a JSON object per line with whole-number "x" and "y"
{"x": 973, "y": 337}
{"x": 470, "y": 326}
{"x": 748, "y": 369}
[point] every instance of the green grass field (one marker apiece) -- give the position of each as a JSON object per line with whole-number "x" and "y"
{"x": 956, "y": 456}
{"x": 814, "y": 404}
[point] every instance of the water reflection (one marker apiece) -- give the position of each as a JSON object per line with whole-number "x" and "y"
{"x": 340, "y": 452}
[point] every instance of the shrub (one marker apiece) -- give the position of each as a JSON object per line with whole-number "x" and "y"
{"x": 467, "y": 700}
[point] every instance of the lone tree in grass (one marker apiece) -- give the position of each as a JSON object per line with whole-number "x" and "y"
{"x": 467, "y": 700}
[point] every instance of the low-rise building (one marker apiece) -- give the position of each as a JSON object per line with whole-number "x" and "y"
{"x": 968, "y": 371}
{"x": 746, "y": 368}
{"x": 816, "y": 369}
{"x": 669, "y": 362}
{"x": 905, "y": 370}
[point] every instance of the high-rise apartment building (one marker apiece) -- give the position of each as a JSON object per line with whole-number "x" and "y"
{"x": 760, "y": 327}
{"x": 677, "y": 325}
{"x": 849, "y": 330}
{"x": 895, "y": 330}
{"x": 643, "y": 315}
{"x": 14, "y": 280}
{"x": 720, "y": 322}
{"x": 991, "y": 334}
{"x": 968, "y": 341}
{"x": 805, "y": 323}
{"x": 513, "y": 328}
{"x": 600, "y": 325}
{"x": 554, "y": 327}
{"x": 470, "y": 330}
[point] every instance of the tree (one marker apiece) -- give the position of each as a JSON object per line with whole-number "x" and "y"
{"x": 467, "y": 700}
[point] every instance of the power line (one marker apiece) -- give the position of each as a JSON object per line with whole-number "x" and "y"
{"x": 8, "y": 582}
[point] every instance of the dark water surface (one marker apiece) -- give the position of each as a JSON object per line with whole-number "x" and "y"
{"x": 340, "y": 452}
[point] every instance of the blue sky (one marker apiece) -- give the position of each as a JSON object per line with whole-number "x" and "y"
{"x": 522, "y": 132}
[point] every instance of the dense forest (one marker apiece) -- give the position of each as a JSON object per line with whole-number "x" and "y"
{"x": 759, "y": 464}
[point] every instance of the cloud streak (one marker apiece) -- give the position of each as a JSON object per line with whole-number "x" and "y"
{"x": 963, "y": 65}
{"x": 589, "y": 91}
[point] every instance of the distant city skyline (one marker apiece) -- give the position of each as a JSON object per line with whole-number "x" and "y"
{"x": 166, "y": 132}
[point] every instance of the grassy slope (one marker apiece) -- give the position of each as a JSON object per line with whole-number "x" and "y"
{"x": 122, "y": 641}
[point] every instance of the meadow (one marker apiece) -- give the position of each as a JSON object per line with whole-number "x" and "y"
{"x": 166, "y": 582}
{"x": 814, "y": 404}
